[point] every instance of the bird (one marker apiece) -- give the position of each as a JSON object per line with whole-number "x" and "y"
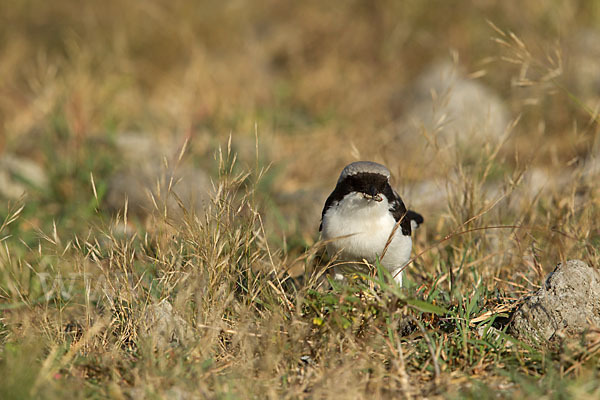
{"x": 359, "y": 217}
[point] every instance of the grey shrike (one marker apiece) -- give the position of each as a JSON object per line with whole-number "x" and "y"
{"x": 359, "y": 217}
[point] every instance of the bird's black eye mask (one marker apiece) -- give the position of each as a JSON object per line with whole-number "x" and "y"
{"x": 364, "y": 182}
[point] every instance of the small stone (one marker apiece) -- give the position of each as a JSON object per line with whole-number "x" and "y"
{"x": 191, "y": 185}
{"x": 567, "y": 304}
{"x": 18, "y": 175}
{"x": 583, "y": 63}
{"x": 247, "y": 150}
{"x": 145, "y": 176}
{"x": 138, "y": 147}
{"x": 427, "y": 194}
{"x": 164, "y": 326}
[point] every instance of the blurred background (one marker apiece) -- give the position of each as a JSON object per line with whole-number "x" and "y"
{"x": 485, "y": 112}
{"x": 467, "y": 103}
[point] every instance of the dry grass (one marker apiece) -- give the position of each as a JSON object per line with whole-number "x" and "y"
{"x": 98, "y": 305}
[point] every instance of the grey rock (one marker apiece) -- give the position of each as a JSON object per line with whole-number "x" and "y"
{"x": 173, "y": 393}
{"x": 139, "y": 186}
{"x": 583, "y": 64}
{"x": 437, "y": 193}
{"x": 139, "y": 147}
{"x": 567, "y": 304}
{"x": 591, "y": 167}
{"x": 145, "y": 182}
{"x": 452, "y": 110}
{"x": 535, "y": 183}
{"x": 18, "y": 175}
{"x": 177, "y": 393}
{"x": 427, "y": 195}
{"x": 164, "y": 327}
{"x": 247, "y": 150}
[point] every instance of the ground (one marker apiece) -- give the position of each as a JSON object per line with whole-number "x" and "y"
{"x": 162, "y": 171}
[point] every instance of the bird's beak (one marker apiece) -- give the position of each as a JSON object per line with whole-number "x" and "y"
{"x": 373, "y": 195}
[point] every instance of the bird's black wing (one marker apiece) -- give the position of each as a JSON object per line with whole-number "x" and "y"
{"x": 333, "y": 197}
{"x": 400, "y": 213}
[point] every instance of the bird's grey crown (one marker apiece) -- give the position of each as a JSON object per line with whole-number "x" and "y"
{"x": 364, "y": 167}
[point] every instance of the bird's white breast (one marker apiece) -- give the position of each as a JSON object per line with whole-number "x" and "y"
{"x": 359, "y": 229}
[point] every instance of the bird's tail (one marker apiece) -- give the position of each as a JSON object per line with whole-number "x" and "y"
{"x": 415, "y": 219}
